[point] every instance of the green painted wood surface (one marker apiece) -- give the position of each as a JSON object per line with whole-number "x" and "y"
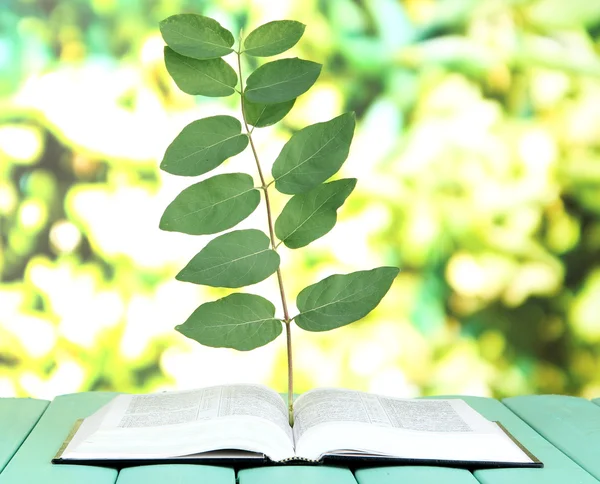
{"x": 414, "y": 475}
{"x": 292, "y": 474}
{"x": 176, "y": 474}
{"x": 572, "y": 424}
{"x": 31, "y": 464}
{"x": 558, "y": 468}
{"x": 17, "y": 418}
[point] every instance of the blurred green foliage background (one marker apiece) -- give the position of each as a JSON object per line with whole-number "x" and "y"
{"x": 478, "y": 157}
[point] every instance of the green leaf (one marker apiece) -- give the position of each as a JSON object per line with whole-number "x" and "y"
{"x": 310, "y": 215}
{"x": 313, "y": 154}
{"x": 261, "y": 115}
{"x": 236, "y": 259}
{"x": 204, "y": 145}
{"x": 211, "y": 206}
{"x": 196, "y": 36}
{"x": 239, "y": 321}
{"x": 213, "y": 77}
{"x": 273, "y": 38}
{"x": 281, "y": 80}
{"x": 342, "y": 298}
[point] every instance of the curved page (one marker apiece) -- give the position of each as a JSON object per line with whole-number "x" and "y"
{"x": 170, "y": 424}
{"x": 344, "y": 421}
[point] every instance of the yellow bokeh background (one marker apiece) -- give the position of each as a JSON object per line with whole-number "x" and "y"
{"x": 477, "y": 152}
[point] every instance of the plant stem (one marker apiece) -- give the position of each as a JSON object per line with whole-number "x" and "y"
{"x": 264, "y": 186}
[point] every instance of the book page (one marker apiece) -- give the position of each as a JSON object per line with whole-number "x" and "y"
{"x": 168, "y": 408}
{"x": 333, "y": 405}
{"x": 245, "y": 417}
{"x": 329, "y": 420}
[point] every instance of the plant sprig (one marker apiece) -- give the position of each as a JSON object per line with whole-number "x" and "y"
{"x": 193, "y": 57}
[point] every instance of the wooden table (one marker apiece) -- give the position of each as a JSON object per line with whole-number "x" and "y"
{"x": 562, "y": 431}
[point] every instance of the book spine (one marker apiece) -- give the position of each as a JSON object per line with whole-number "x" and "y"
{"x": 293, "y": 459}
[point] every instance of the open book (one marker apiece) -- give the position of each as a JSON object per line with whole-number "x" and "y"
{"x": 249, "y": 424}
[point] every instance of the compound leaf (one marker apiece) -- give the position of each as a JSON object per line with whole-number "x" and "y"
{"x": 273, "y": 38}
{"x": 342, "y": 298}
{"x": 196, "y": 36}
{"x": 212, "y": 77}
{"x": 239, "y": 321}
{"x": 310, "y": 215}
{"x": 203, "y": 145}
{"x": 313, "y": 154}
{"x": 212, "y": 205}
{"x": 236, "y": 259}
{"x": 281, "y": 80}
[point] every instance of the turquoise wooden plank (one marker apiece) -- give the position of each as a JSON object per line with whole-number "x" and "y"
{"x": 31, "y": 464}
{"x": 414, "y": 475}
{"x": 176, "y": 474}
{"x": 17, "y": 418}
{"x": 596, "y": 401}
{"x": 570, "y": 423}
{"x": 296, "y": 475}
{"x": 558, "y": 468}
